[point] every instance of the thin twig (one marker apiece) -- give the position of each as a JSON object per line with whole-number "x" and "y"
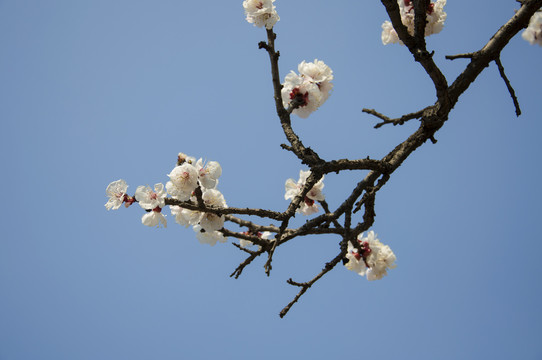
{"x": 460, "y": 56}
{"x": 397, "y": 121}
{"x": 305, "y": 286}
{"x": 508, "y": 86}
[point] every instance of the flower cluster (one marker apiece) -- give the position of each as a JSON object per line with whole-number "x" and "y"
{"x": 308, "y": 90}
{"x": 435, "y": 20}
{"x": 373, "y": 260}
{"x": 206, "y": 225}
{"x": 308, "y": 206}
{"x": 185, "y": 178}
{"x": 533, "y": 33}
{"x": 261, "y": 13}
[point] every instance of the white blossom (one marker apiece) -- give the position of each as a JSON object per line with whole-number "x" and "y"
{"x": 154, "y": 218}
{"x": 316, "y": 71}
{"x": 209, "y": 173}
{"x": 116, "y": 192}
{"x": 210, "y": 221}
{"x": 213, "y": 197}
{"x": 184, "y": 180}
{"x": 533, "y": 33}
{"x": 310, "y": 89}
{"x": 208, "y": 237}
{"x": 355, "y": 263}
{"x": 389, "y": 35}
{"x": 435, "y": 21}
{"x": 150, "y": 199}
{"x": 374, "y": 260}
{"x": 185, "y": 217}
{"x": 261, "y": 13}
{"x": 380, "y": 258}
{"x": 308, "y": 206}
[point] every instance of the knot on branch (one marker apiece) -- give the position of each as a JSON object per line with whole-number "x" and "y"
{"x": 430, "y": 118}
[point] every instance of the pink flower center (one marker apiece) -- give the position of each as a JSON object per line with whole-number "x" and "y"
{"x": 157, "y": 209}
{"x": 308, "y": 201}
{"x": 153, "y": 196}
{"x": 260, "y": 5}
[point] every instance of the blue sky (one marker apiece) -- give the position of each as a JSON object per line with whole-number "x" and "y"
{"x": 94, "y": 91}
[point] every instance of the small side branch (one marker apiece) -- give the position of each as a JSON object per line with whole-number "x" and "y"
{"x": 460, "y": 56}
{"x": 247, "y": 261}
{"x": 306, "y": 285}
{"x": 396, "y": 121}
{"x": 508, "y": 86}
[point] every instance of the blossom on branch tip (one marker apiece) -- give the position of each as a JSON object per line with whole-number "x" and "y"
{"x": 308, "y": 206}
{"x": 435, "y": 18}
{"x": 117, "y": 194}
{"x": 533, "y": 33}
{"x": 374, "y": 258}
{"x": 307, "y": 91}
{"x": 261, "y": 13}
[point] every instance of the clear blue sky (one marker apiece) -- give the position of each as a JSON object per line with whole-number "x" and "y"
{"x": 94, "y": 91}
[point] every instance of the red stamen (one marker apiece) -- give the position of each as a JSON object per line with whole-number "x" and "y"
{"x": 303, "y": 98}
{"x": 308, "y": 201}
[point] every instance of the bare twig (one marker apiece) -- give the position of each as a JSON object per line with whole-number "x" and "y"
{"x": 305, "y": 286}
{"x": 460, "y": 56}
{"x": 396, "y": 121}
{"x": 508, "y": 86}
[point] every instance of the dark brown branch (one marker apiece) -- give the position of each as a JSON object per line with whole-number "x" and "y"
{"x": 508, "y": 86}
{"x": 247, "y": 261}
{"x": 306, "y": 155}
{"x": 492, "y": 49}
{"x": 396, "y": 121}
{"x": 417, "y": 47}
{"x": 325, "y": 206}
{"x": 460, "y": 56}
{"x": 305, "y": 286}
{"x": 361, "y": 164}
{"x": 223, "y": 211}
{"x": 420, "y": 21}
{"x": 252, "y": 238}
{"x": 249, "y": 224}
